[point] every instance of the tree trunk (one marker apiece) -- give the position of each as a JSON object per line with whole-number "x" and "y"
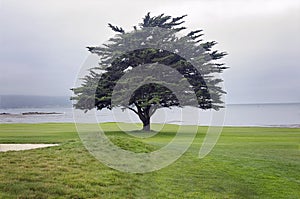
{"x": 146, "y": 124}
{"x": 144, "y": 115}
{"x": 145, "y": 118}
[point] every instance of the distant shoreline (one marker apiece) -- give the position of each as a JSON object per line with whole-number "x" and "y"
{"x": 31, "y": 113}
{"x": 283, "y": 126}
{"x": 259, "y": 115}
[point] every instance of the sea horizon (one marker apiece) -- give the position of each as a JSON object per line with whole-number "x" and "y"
{"x": 256, "y": 114}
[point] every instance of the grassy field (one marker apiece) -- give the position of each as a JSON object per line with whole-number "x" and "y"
{"x": 245, "y": 163}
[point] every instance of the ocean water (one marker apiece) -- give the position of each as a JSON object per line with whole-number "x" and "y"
{"x": 285, "y": 115}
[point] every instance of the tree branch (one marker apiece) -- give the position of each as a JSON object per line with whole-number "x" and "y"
{"x": 155, "y": 107}
{"x": 132, "y": 109}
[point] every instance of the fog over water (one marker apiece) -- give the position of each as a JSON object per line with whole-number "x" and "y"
{"x": 43, "y": 43}
{"x": 43, "y": 46}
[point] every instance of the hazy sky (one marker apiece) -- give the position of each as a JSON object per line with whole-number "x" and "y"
{"x": 42, "y": 43}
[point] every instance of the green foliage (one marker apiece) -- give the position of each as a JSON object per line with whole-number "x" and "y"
{"x": 191, "y": 57}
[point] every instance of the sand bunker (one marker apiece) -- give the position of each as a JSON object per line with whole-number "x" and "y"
{"x": 21, "y": 147}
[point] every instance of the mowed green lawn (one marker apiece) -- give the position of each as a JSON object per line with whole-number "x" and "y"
{"x": 245, "y": 163}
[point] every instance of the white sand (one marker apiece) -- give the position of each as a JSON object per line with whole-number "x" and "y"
{"x": 21, "y": 147}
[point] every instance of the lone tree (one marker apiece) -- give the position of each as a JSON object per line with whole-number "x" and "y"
{"x": 188, "y": 54}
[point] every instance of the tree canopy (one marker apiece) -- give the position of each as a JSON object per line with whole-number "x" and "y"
{"x": 154, "y": 43}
